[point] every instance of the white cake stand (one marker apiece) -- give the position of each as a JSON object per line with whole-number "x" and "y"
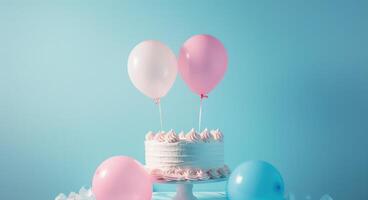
{"x": 184, "y": 189}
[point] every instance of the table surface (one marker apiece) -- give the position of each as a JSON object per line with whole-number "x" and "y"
{"x": 199, "y": 195}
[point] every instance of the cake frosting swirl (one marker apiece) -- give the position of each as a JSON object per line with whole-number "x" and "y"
{"x": 171, "y": 137}
{"x": 193, "y": 136}
{"x": 150, "y": 136}
{"x": 217, "y": 135}
{"x": 206, "y": 136}
{"x": 160, "y": 136}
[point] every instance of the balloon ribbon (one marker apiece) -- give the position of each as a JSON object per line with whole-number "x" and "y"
{"x": 200, "y": 111}
{"x": 157, "y": 102}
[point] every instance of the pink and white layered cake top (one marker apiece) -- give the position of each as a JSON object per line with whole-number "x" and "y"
{"x": 191, "y": 156}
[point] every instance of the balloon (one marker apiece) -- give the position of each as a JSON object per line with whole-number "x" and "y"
{"x": 255, "y": 180}
{"x": 202, "y": 63}
{"x": 121, "y": 178}
{"x": 152, "y": 68}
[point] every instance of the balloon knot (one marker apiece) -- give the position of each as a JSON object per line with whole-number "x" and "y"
{"x": 157, "y": 100}
{"x": 204, "y": 96}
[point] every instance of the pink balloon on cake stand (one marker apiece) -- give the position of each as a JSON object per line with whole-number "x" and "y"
{"x": 184, "y": 189}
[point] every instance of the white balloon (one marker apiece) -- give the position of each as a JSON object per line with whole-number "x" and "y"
{"x": 152, "y": 68}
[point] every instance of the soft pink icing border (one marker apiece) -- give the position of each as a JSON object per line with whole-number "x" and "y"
{"x": 192, "y": 136}
{"x": 187, "y": 173}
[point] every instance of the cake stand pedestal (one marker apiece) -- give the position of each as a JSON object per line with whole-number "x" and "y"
{"x": 184, "y": 189}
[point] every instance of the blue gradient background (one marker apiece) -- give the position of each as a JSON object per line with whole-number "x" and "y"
{"x": 295, "y": 93}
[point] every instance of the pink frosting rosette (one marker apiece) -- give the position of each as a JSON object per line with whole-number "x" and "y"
{"x": 174, "y": 174}
{"x": 160, "y": 137}
{"x": 170, "y": 175}
{"x": 150, "y": 136}
{"x": 192, "y": 136}
{"x": 171, "y": 137}
{"x": 226, "y": 170}
{"x": 180, "y": 173}
{"x": 206, "y": 135}
{"x": 201, "y": 175}
{"x": 190, "y": 174}
{"x": 221, "y": 172}
{"x": 217, "y": 135}
{"x": 213, "y": 174}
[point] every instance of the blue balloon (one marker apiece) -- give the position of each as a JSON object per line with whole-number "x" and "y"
{"x": 255, "y": 180}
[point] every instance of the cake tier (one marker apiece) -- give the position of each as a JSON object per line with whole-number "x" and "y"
{"x": 182, "y": 154}
{"x": 190, "y": 156}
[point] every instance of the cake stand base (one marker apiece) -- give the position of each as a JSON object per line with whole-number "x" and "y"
{"x": 184, "y": 189}
{"x": 184, "y": 192}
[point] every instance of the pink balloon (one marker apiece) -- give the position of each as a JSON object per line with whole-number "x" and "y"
{"x": 121, "y": 178}
{"x": 202, "y": 63}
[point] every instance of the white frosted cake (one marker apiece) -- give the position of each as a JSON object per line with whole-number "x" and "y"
{"x": 190, "y": 156}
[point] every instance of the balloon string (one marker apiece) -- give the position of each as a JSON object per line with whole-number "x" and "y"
{"x": 157, "y": 101}
{"x": 159, "y": 109}
{"x": 200, "y": 111}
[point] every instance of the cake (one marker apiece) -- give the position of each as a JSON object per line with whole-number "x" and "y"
{"x": 181, "y": 157}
